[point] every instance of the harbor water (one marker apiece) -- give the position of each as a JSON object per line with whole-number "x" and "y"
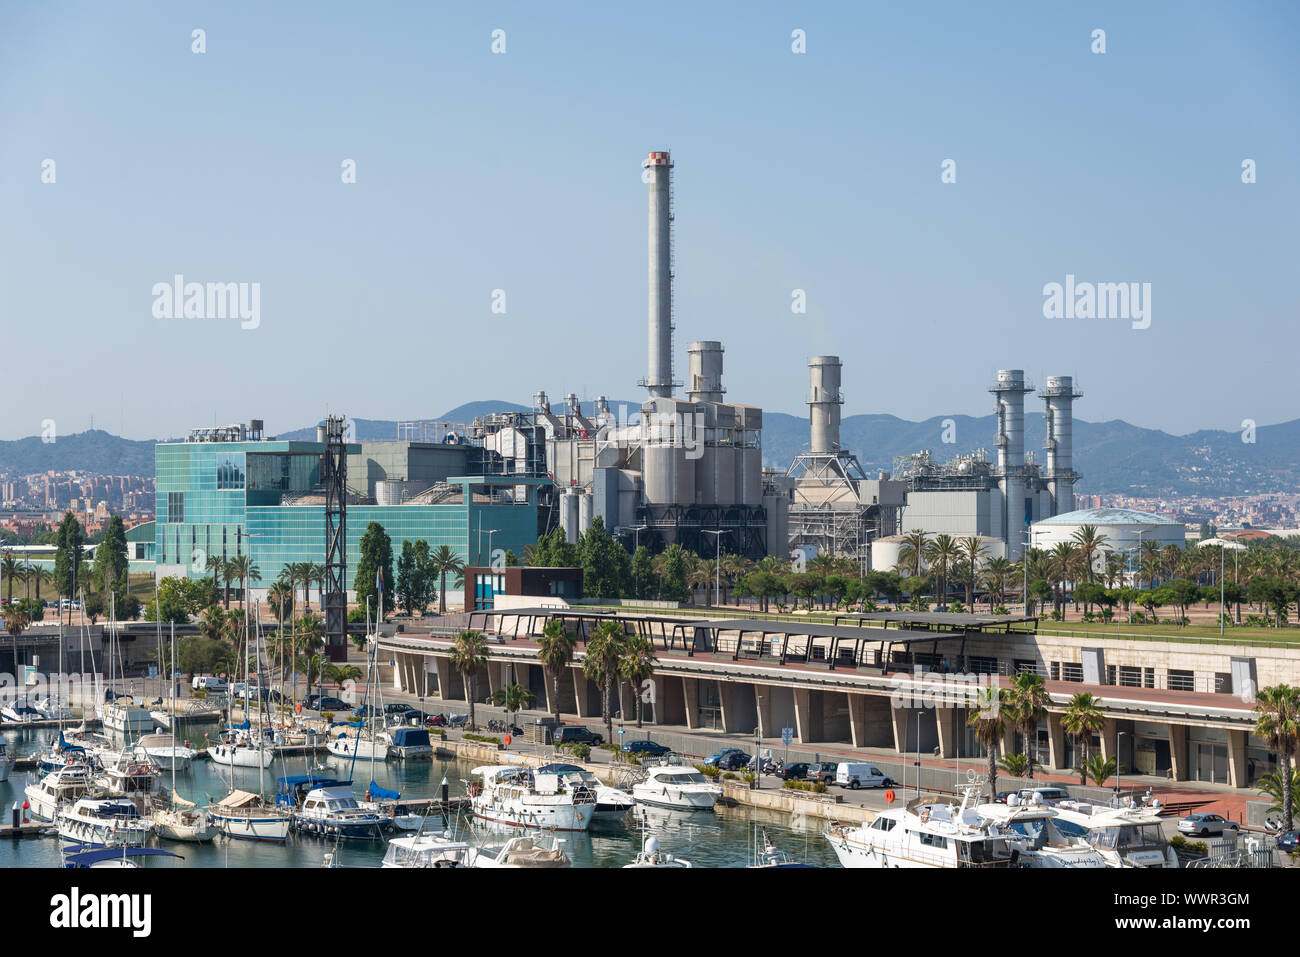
{"x": 721, "y": 838}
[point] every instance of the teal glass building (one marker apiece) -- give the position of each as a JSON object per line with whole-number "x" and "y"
{"x": 263, "y": 499}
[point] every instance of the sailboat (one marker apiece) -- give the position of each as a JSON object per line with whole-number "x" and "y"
{"x": 121, "y": 714}
{"x": 240, "y": 748}
{"x": 244, "y": 816}
{"x": 182, "y": 820}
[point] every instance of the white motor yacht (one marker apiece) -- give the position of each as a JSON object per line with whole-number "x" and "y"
{"x": 1125, "y": 834}
{"x": 928, "y": 832}
{"x": 520, "y": 852}
{"x": 651, "y": 855}
{"x": 59, "y": 789}
{"x": 524, "y": 798}
{"x": 1037, "y": 833}
{"x": 6, "y": 759}
{"x": 678, "y": 787}
{"x": 335, "y": 812}
{"x": 139, "y": 780}
{"x": 96, "y": 820}
{"x": 612, "y": 804}
{"x": 125, "y": 716}
{"x": 428, "y": 850}
{"x": 241, "y": 752}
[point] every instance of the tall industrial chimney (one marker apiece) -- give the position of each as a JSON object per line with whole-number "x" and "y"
{"x": 1010, "y": 391}
{"x": 705, "y": 382}
{"x": 659, "y": 378}
{"x": 824, "y": 403}
{"x": 1058, "y": 395}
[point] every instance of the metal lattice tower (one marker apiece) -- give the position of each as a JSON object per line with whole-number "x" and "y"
{"x": 334, "y": 597}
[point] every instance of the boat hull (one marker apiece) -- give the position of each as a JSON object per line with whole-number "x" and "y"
{"x": 274, "y": 829}
{"x": 240, "y": 757}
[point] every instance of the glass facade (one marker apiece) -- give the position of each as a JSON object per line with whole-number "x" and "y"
{"x": 263, "y": 499}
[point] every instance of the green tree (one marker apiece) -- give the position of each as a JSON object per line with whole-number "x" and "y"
{"x": 468, "y": 655}
{"x": 673, "y": 586}
{"x": 408, "y": 585}
{"x": 1082, "y": 719}
{"x": 606, "y": 570}
{"x": 600, "y": 664}
{"x": 637, "y": 665}
{"x": 1099, "y": 769}
{"x": 444, "y": 562}
{"x": 110, "y": 572}
{"x": 645, "y": 583}
{"x": 9, "y": 567}
{"x": 972, "y": 552}
{"x": 1278, "y": 723}
{"x": 68, "y": 558}
{"x": 987, "y": 720}
{"x": 514, "y": 698}
{"x": 555, "y": 651}
{"x": 376, "y": 557}
{"x": 1029, "y": 700}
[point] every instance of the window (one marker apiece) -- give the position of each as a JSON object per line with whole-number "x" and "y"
{"x": 1181, "y": 680}
{"x": 230, "y": 470}
{"x": 1071, "y": 671}
{"x": 176, "y": 507}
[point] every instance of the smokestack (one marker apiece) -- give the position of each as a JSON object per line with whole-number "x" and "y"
{"x": 659, "y": 378}
{"x": 706, "y": 372}
{"x": 824, "y": 403}
{"x": 1010, "y": 391}
{"x": 1058, "y": 395}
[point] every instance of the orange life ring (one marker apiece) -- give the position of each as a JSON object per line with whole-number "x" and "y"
{"x": 889, "y": 796}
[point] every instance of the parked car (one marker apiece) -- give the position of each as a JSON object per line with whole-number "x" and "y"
{"x": 727, "y": 759}
{"x": 1205, "y": 825}
{"x": 824, "y": 772}
{"x": 1288, "y": 841}
{"x": 794, "y": 771}
{"x": 208, "y": 683}
{"x": 396, "y": 707}
{"x": 321, "y": 702}
{"x": 578, "y": 735}
{"x": 851, "y": 775}
{"x": 653, "y": 748}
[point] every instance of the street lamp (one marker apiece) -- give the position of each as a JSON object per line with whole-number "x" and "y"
{"x": 717, "y": 562}
{"x": 1118, "y": 734}
{"x": 491, "y": 532}
{"x": 1223, "y": 546}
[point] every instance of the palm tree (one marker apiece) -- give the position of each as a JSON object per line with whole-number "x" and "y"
{"x": 16, "y": 621}
{"x": 1015, "y": 765}
{"x": 972, "y": 550}
{"x": 229, "y": 573}
{"x": 9, "y": 568}
{"x": 997, "y": 573}
{"x": 1272, "y": 785}
{"x": 280, "y": 598}
{"x": 1029, "y": 701}
{"x": 37, "y": 576}
{"x": 600, "y": 664}
{"x": 213, "y": 623}
{"x": 911, "y": 554}
{"x": 1100, "y": 769}
{"x": 214, "y": 564}
{"x": 988, "y": 721}
{"x": 444, "y": 562}
{"x": 942, "y": 553}
{"x": 555, "y": 651}
{"x": 1082, "y": 719}
{"x": 637, "y": 666}
{"x": 514, "y": 698}
{"x": 316, "y": 573}
{"x": 1090, "y": 542}
{"x": 467, "y": 656}
{"x": 245, "y": 572}
{"x": 1063, "y": 561}
{"x": 1278, "y": 707}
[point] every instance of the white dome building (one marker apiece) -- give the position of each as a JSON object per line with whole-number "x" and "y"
{"x": 1125, "y": 529}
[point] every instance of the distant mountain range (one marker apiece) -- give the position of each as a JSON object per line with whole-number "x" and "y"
{"x": 1113, "y": 457}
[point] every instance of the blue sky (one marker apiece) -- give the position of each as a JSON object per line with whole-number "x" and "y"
{"x": 521, "y": 172}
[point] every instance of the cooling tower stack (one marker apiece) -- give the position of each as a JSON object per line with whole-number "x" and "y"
{"x": 1010, "y": 392}
{"x": 659, "y": 377}
{"x": 1058, "y": 394}
{"x": 824, "y": 403}
{"x": 705, "y": 384}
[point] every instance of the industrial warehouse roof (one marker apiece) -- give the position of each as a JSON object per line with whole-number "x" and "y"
{"x": 1107, "y": 516}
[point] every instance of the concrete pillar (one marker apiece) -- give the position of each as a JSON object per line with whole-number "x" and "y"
{"x": 763, "y": 704}
{"x": 1237, "y": 759}
{"x": 627, "y": 703}
{"x": 898, "y": 718}
{"x": 1178, "y": 750}
{"x": 802, "y": 716}
{"x": 725, "y": 690}
{"x": 442, "y": 665}
{"x": 858, "y": 719}
{"x": 652, "y": 710}
{"x": 580, "y": 692}
{"x": 1056, "y": 742}
{"x": 1108, "y": 740}
{"x": 1008, "y": 743}
{"x": 691, "y": 695}
{"x": 949, "y": 743}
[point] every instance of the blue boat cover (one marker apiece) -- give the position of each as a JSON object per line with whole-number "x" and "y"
{"x": 410, "y": 737}
{"x": 84, "y": 858}
{"x": 381, "y": 794}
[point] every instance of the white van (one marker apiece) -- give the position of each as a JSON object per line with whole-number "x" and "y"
{"x": 850, "y": 775}
{"x": 208, "y": 683}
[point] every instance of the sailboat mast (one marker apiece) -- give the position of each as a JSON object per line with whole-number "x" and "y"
{"x": 171, "y": 672}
